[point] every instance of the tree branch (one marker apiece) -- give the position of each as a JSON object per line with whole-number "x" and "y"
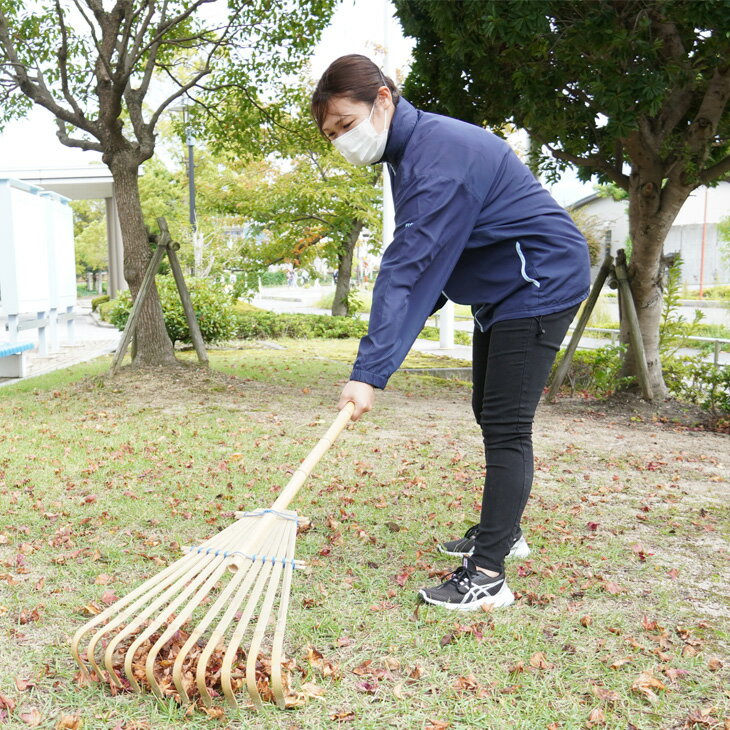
{"x": 592, "y": 161}
{"x": 84, "y": 144}
{"x": 717, "y": 172}
{"x": 63, "y": 60}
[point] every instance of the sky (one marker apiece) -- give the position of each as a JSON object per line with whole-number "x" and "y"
{"x": 358, "y": 26}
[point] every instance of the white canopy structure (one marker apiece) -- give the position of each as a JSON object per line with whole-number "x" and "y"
{"x": 93, "y": 182}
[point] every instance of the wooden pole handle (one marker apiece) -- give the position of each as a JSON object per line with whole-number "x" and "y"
{"x": 301, "y": 474}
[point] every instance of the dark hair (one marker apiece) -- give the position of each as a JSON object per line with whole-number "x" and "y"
{"x": 353, "y": 76}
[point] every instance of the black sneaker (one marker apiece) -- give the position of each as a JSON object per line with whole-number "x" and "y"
{"x": 466, "y": 589}
{"x": 464, "y": 546}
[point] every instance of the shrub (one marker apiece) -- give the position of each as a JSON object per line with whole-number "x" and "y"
{"x": 269, "y": 325}
{"x": 594, "y": 371}
{"x": 213, "y": 309}
{"x": 433, "y": 333}
{"x": 702, "y": 383}
{"x": 96, "y": 301}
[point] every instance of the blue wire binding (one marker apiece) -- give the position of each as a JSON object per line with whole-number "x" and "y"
{"x": 253, "y": 558}
{"x": 283, "y": 515}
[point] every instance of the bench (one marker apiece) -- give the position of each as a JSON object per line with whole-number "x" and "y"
{"x": 12, "y": 359}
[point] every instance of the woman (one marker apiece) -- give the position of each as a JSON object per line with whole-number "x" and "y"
{"x": 472, "y": 225}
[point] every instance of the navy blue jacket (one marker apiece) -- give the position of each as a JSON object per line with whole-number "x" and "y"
{"x": 473, "y": 223}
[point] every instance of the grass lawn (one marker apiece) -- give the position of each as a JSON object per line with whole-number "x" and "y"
{"x": 622, "y": 614}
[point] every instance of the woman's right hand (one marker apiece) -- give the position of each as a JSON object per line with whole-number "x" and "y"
{"x": 361, "y": 394}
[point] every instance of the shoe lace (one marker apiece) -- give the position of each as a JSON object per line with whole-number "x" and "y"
{"x": 461, "y": 578}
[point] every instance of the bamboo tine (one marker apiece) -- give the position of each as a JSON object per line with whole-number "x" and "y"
{"x": 200, "y": 576}
{"x": 277, "y": 645}
{"x": 218, "y": 634}
{"x": 112, "y": 610}
{"x": 191, "y": 568}
{"x": 176, "y": 624}
{"x": 239, "y": 633}
{"x": 142, "y": 591}
{"x": 164, "y": 582}
{"x": 198, "y": 631}
{"x": 261, "y": 624}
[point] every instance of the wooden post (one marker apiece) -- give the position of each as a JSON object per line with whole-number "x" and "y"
{"x": 149, "y": 277}
{"x": 637, "y": 343}
{"x": 564, "y": 366}
{"x": 182, "y": 289}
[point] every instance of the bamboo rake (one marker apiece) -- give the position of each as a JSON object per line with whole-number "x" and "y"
{"x": 223, "y": 591}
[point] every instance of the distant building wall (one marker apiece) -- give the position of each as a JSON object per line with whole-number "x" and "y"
{"x": 704, "y": 209}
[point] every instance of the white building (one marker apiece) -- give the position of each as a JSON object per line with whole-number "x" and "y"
{"x": 694, "y": 235}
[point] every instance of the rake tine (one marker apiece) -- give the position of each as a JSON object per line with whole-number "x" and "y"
{"x": 208, "y": 579}
{"x": 165, "y": 580}
{"x": 277, "y": 645}
{"x": 197, "y": 633}
{"x": 252, "y": 571}
{"x": 189, "y": 568}
{"x": 111, "y": 611}
{"x": 239, "y": 633}
{"x": 260, "y": 628}
{"x": 210, "y": 564}
{"x": 156, "y": 582}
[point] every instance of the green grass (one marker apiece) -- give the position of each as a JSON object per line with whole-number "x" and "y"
{"x": 102, "y": 476}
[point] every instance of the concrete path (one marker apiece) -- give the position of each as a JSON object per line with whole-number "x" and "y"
{"x": 91, "y": 339}
{"x": 302, "y": 300}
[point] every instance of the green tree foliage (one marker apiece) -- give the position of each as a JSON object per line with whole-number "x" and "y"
{"x": 302, "y": 199}
{"x": 93, "y": 64}
{"x": 90, "y": 235}
{"x": 631, "y": 91}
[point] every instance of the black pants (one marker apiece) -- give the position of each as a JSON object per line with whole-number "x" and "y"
{"x": 511, "y": 364}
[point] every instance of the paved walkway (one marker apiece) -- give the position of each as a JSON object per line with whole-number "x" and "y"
{"x": 91, "y": 339}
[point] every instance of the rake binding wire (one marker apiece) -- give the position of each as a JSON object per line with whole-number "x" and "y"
{"x": 213, "y": 622}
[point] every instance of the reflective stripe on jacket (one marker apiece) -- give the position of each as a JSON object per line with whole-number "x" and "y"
{"x": 473, "y": 223}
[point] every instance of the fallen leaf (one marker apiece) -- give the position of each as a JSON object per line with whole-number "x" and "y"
{"x": 32, "y": 717}
{"x": 69, "y": 722}
{"x": 342, "y": 716}
{"x": 539, "y": 661}
{"x": 714, "y": 664}
{"x": 605, "y": 695}
{"x": 447, "y": 639}
{"x": 6, "y": 703}
{"x": 103, "y": 579}
{"x": 586, "y": 621}
{"x": 108, "y": 597}
{"x": 646, "y": 683}
{"x": 613, "y": 588}
{"x": 436, "y": 725}
{"x": 23, "y": 684}
{"x": 596, "y": 717}
{"x": 620, "y": 662}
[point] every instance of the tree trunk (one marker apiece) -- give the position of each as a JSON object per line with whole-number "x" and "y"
{"x": 652, "y": 210}
{"x": 344, "y": 270}
{"x": 154, "y": 346}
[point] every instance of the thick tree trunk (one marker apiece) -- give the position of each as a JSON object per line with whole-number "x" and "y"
{"x": 652, "y": 210}
{"x": 153, "y": 343}
{"x": 344, "y": 270}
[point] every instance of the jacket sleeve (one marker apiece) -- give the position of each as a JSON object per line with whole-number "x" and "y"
{"x": 434, "y": 220}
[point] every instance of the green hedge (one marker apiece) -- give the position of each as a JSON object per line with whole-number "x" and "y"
{"x": 269, "y": 325}
{"x": 213, "y": 309}
{"x": 96, "y": 301}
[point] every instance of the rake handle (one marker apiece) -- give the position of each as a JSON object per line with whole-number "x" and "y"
{"x": 305, "y": 469}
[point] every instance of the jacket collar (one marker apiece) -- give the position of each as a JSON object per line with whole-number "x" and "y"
{"x": 401, "y": 128}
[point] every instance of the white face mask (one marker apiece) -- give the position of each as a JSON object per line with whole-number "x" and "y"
{"x": 362, "y": 145}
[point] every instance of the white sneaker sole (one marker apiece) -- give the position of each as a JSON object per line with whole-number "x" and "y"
{"x": 519, "y": 550}
{"x": 504, "y": 598}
